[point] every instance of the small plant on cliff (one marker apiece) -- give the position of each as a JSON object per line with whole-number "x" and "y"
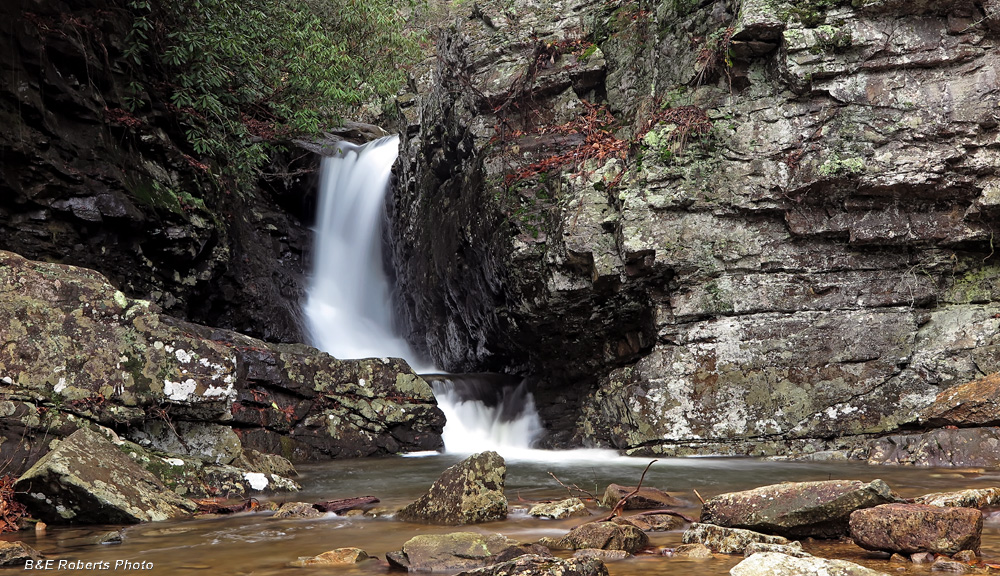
{"x": 239, "y": 73}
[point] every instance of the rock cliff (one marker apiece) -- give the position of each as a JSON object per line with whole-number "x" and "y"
{"x": 746, "y": 227}
{"x": 85, "y": 180}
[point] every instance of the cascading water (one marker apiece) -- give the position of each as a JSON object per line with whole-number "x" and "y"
{"x": 349, "y": 309}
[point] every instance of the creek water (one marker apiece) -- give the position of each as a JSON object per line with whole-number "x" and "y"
{"x": 258, "y": 544}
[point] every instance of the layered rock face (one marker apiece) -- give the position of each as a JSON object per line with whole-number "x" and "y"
{"x": 86, "y": 181}
{"x": 808, "y": 272}
{"x": 78, "y": 353}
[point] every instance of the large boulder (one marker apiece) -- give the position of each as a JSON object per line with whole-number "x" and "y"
{"x": 87, "y": 479}
{"x": 532, "y": 565}
{"x": 778, "y": 564}
{"x": 728, "y": 540}
{"x": 797, "y": 509}
{"x": 645, "y": 499}
{"x": 469, "y": 492}
{"x": 80, "y": 349}
{"x": 912, "y": 528}
{"x": 975, "y": 403}
{"x": 455, "y": 551}
{"x": 601, "y": 535}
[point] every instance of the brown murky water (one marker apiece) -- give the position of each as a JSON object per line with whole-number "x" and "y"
{"x": 260, "y": 545}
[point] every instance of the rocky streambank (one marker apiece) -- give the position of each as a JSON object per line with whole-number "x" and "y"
{"x": 731, "y": 227}
{"x": 101, "y": 390}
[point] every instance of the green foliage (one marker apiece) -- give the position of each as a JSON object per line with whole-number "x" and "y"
{"x": 241, "y": 73}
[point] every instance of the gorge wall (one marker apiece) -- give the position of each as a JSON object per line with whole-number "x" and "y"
{"x": 782, "y": 242}
{"x": 86, "y": 181}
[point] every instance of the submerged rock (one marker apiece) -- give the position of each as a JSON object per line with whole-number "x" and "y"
{"x": 729, "y": 540}
{"x": 560, "y": 509}
{"x": 87, "y": 479}
{"x": 646, "y": 499}
{"x": 297, "y": 510}
{"x": 797, "y": 509}
{"x": 695, "y": 551}
{"x": 338, "y": 557}
{"x": 469, "y": 492}
{"x": 912, "y": 528}
{"x": 541, "y": 566}
{"x": 777, "y": 564}
{"x": 601, "y": 535}
{"x": 455, "y": 551}
{"x": 652, "y": 522}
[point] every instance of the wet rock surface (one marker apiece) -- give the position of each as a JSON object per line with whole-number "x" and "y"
{"x": 541, "y": 566}
{"x": 945, "y": 447}
{"x": 17, "y": 553}
{"x": 453, "y": 552}
{"x": 338, "y": 557}
{"x": 775, "y": 564}
{"x": 87, "y": 479}
{"x": 601, "y": 535}
{"x": 913, "y": 528}
{"x": 972, "y": 498}
{"x": 797, "y": 509}
{"x": 83, "y": 353}
{"x": 469, "y": 492}
{"x": 730, "y": 540}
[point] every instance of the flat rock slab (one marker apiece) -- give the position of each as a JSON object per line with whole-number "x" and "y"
{"x": 728, "y": 540}
{"x": 644, "y": 499}
{"x": 532, "y": 565}
{"x": 912, "y": 528}
{"x": 777, "y": 564}
{"x": 560, "y": 509}
{"x": 653, "y": 522}
{"x": 338, "y": 557}
{"x": 972, "y": 498}
{"x": 601, "y": 535}
{"x": 797, "y": 509}
{"x": 451, "y": 552}
{"x": 87, "y": 479}
{"x": 467, "y": 493}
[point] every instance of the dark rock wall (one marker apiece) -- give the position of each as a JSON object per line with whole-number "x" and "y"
{"x": 84, "y": 181}
{"x": 808, "y": 274}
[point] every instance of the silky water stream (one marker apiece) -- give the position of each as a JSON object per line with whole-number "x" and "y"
{"x": 349, "y": 317}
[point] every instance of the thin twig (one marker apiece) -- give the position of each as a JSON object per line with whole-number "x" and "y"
{"x": 573, "y": 487}
{"x": 617, "y": 510}
{"x": 695, "y": 490}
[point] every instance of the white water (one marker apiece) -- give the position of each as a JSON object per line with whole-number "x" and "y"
{"x": 349, "y": 308}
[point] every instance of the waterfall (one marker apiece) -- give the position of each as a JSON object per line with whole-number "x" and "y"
{"x": 349, "y": 309}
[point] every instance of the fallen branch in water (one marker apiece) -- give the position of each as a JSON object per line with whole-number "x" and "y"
{"x": 345, "y": 504}
{"x": 573, "y": 487}
{"x": 617, "y": 510}
{"x": 695, "y": 490}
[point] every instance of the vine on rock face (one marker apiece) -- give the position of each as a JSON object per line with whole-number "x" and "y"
{"x": 240, "y": 73}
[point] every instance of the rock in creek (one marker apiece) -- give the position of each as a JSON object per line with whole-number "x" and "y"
{"x": 797, "y": 509}
{"x": 972, "y": 498}
{"x": 532, "y": 565}
{"x": 297, "y": 510}
{"x": 338, "y": 557}
{"x": 560, "y": 509}
{"x": 645, "y": 499}
{"x": 455, "y": 551}
{"x": 601, "y": 535}
{"x": 777, "y": 564}
{"x": 729, "y": 540}
{"x": 16, "y": 553}
{"x": 467, "y": 493}
{"x": 86, "y": 478}
{"x": 911, "y": 528}
{"x": 652, "y": 522}
{"x": 791, "y": 549}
